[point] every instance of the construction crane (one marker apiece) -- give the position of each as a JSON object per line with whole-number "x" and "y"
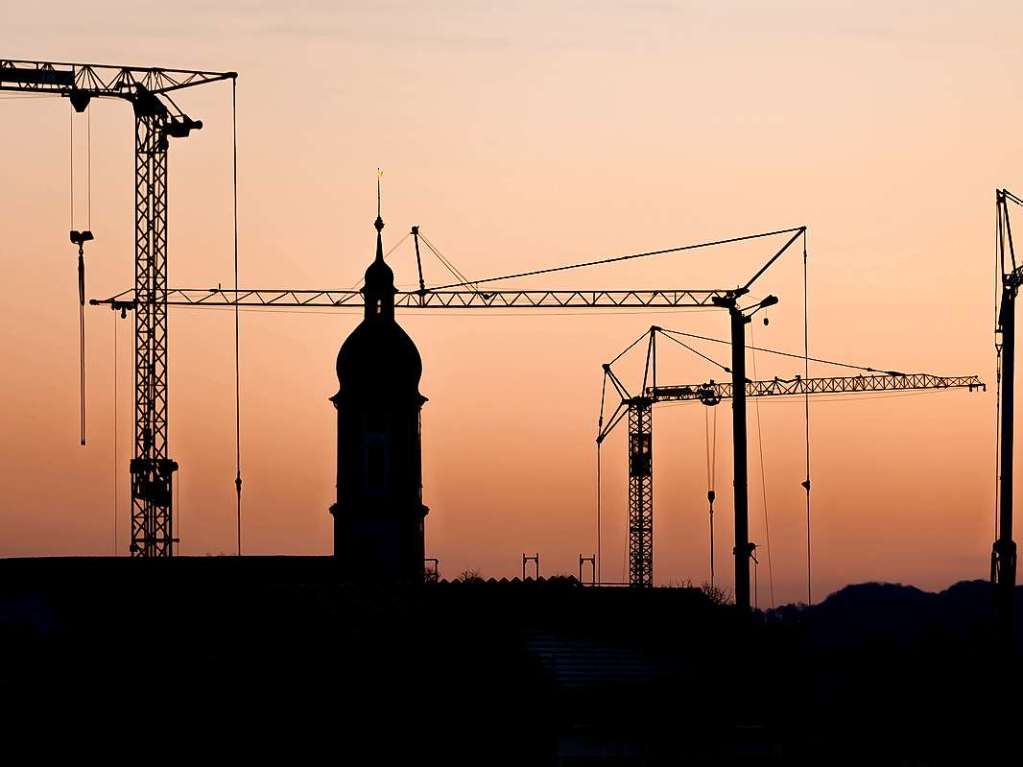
{"x": 157, "y": 119}
{"x": 1003, "y": 553}
{"x": 468, "y": 294}
{"x": 638, "y": 411}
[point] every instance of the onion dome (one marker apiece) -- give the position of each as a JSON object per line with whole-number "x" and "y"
{"x": 378, "y": 359}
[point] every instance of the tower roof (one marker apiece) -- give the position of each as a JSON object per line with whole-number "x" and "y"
{"x": 379, "y": 358}
{"x": 379, "y": 280}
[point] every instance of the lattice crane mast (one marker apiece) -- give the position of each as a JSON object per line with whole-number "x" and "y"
{"x": 157, "y": 118}
{"x": 637, "y": 410}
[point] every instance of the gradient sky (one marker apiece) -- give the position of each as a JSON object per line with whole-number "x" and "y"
{"x": 524, "y": 135}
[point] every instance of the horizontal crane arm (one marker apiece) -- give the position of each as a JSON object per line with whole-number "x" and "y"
{"x": 436, "y": 299}
{"x": 711, "y": 393}
{"x": 63, "y": 78}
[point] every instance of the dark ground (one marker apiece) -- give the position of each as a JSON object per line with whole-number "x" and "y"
{"x": 272, "y": 655}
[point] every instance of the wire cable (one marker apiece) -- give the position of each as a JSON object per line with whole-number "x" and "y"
{"x": 448, "y": 264}
{"x": 176, "y": 539}
{"x": 647, "y": 254}
{"x": 806, "y": 422}
{"x": 237, "y": 344}
{"x": 763, "y": 477}
{"x": 71, "y": 165}
{"x": 81, "y": 340}
{"x": 88, "y": 167}
{"x": 599, "y": 547}
{"x": 116, "y": 494}
{"x": 699, "y": 354}
{"x": 600, "y": 427}
{"x": 628, "y": 348}
{"x": 848, "y": 365}
{"x": 711, "y": 445}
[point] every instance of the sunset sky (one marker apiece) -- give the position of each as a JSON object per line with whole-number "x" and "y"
{"x": 524, "y": 135}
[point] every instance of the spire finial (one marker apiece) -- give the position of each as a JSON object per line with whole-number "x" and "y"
{"x": 379, "y": 224}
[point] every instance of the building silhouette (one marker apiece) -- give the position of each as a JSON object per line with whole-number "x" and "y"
{"x": 379, "y": 513}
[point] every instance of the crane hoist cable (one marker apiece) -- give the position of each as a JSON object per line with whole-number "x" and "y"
{"x": 756, "y": 578}
{"x": 763, "y": 476}
{"x": 114, "y": 315}
{"x": 600, "y": 428}
{"x": 806, "y": 421}
{"x": 79, "y": 238}
{"x": 237, "y": 344}
{"x": 177, "y": 511}
{"x": 711, "y": 444}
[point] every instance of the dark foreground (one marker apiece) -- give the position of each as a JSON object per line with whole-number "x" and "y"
{"x": 262, "y": 656}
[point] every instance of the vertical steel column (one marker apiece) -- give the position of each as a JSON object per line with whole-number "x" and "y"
{"x": 151, "y": 469}
{"x": 743, "y": 548}
{"x": 1004, "y": 552}
{"x": 641, "y": 493}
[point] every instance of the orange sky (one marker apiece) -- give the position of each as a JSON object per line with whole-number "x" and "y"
{"x": 519, "y": 136}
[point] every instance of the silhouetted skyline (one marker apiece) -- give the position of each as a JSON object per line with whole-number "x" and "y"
{"x": 520, "y": 137}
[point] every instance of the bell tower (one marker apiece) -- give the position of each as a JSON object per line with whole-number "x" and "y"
{"x": 379, "y": 513}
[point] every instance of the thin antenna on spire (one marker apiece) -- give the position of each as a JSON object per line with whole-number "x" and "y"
{"x": 379, "y": 223}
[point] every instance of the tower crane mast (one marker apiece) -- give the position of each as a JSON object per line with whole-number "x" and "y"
{"x": 1003, "y": 553}
{"x": 157, "y": 118}
{"x": 637, "y": 410}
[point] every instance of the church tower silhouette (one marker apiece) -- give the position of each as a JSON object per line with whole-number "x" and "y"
{"x": 379, "y": 514}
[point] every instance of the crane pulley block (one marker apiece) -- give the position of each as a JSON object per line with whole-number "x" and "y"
{"x": 80, "y": 238}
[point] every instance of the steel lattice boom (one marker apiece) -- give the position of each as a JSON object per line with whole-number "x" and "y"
{"x": 437, "y": 299}
{"x": 157, "y": 118}
{"x": 711, "y": 393}
{"x": 105, "y": 80}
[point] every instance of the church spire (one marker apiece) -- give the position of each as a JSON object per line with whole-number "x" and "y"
{"x": 379, "y": 283}
{"x": 379, "y": 223}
